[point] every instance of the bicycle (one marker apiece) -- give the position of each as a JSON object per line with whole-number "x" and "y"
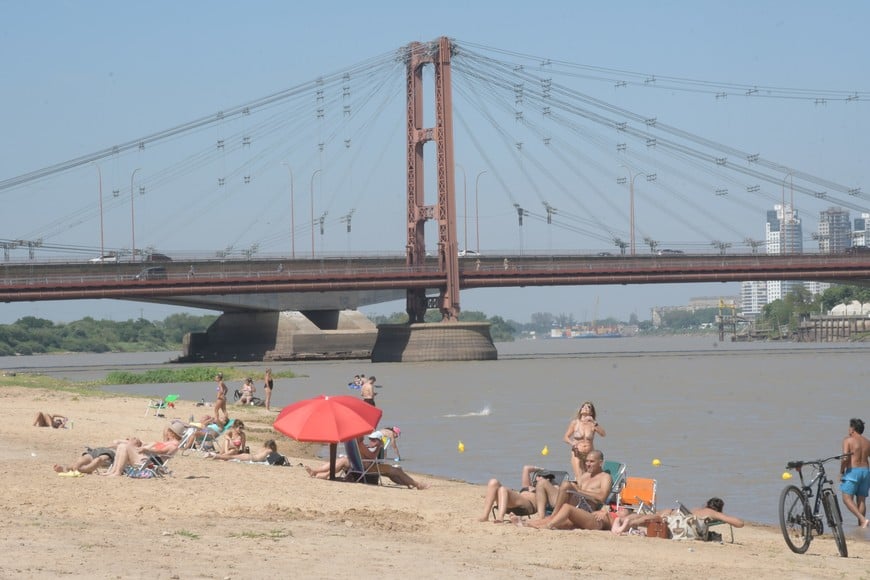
{"x": 798, "y": 521}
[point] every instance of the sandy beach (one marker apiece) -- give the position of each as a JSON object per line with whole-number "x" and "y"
{"x": 214, "y": 519}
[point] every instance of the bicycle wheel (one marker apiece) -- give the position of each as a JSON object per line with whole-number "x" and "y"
{"x": 835, "y": 520}
{"x": 794, "y": 519}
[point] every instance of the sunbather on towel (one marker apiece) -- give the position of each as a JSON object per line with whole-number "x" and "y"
{"x": 89, "y": 461}
{"x": 712, "y": 510}
{"x": 269, "y": 454}
{"x": 46, "y": 420}
{"x": 130, "y": 453}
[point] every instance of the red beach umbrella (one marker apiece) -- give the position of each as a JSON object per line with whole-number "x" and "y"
{"x": 328, "y": 419}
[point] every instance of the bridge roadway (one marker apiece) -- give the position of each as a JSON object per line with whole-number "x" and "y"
{"x": 330, "y": 283}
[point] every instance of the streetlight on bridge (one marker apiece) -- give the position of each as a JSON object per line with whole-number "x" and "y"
{"x": 465, "y": 204}
{"x": 102, "y": 245}
{"x": 631, "y": 179}
{"x": 313, "y": 175}
{"x": 292, "y": 214}
{"x": 477, "y": 209}
{"x": 132, "y": 219}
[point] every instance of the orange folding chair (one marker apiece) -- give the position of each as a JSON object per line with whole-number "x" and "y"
{"x": 638, "y": 494}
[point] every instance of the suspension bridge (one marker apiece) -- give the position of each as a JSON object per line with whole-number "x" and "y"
{"x": 254, "y": 203}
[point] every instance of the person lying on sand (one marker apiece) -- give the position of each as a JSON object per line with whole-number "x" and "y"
{"x": 46, "y": 420}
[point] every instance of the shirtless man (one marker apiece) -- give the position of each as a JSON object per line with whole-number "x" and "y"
{"x": 368, "y": 391}
{"x": 855, "y": 471}
{"x": 593, "y": 487}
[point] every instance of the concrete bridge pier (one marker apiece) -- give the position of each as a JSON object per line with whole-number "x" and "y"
{"x": 437, "y": 341}
{"x": 287, "y": 335}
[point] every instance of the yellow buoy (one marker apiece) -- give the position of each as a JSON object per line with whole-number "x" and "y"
{"x": 461, "y": 447}
{"x": 545, "y": 450}
{"x": 786, "y": 475}
{"x": 656, "y": 462}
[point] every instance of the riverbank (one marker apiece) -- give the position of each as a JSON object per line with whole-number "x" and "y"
{"x": 231, "y": 520}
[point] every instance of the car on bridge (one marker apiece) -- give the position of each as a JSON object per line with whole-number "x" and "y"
{"x": 468, "y": 254}
{"x": 152, "y": 273}
{"x": 109, "y": 258}
{"x": 156, "y": 257}
{"x": 669, "y": 252}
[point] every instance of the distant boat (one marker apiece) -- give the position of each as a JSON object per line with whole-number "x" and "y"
{"x": 612, "y": 334}
{"x": 600, "y": 332}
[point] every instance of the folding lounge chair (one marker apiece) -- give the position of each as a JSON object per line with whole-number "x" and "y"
{"x": 702, "y": 527}
{"x": 617, "y": 474}
{"x": 713, "y": 523}
{"x": 202, "y": 439}
{"x": 360, "y": 471}
{"x": 160, "y": 405}
{"x": 152, "y": 466}
{"x": 638, "y": 494}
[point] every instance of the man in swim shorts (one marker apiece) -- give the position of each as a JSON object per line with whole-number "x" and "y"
{"x": 855, "y": 471}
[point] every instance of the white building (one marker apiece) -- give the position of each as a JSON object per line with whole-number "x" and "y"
{"x": 753, "y": 297}
{"x": 783, "y": 235}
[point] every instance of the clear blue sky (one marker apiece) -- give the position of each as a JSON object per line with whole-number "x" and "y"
{"x": 81, "y": 76}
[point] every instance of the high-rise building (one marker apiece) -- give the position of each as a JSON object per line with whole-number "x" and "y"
{"x": 835, "y": 231}
{"x": 753, "y": 297}
{"x": 783, "y": 235}
{"x": 860, "y": 234}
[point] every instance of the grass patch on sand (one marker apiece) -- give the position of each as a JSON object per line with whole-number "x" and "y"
{"x": 38, "y": 381}
{"x": 183, "y": 375}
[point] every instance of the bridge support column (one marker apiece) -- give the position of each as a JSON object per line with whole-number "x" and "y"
{"x": 429, "y": 341}
{"x": 290, "y": 335}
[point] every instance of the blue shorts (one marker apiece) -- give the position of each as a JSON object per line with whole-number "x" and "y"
{"x": 856, "y": 481}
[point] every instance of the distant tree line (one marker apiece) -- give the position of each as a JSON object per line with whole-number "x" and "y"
{"x": 800, "y": 303}
{"x": 31, "y": 335}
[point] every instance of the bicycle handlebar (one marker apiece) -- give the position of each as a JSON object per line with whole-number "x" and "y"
{"x": 819, "y": 462}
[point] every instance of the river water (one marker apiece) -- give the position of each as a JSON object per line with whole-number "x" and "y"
{"x": 723, "y": 418}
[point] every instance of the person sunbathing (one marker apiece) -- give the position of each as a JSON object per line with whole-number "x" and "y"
{"x": 235, "y": 440}
{"x": 46, "y": 420}
{"x": 89, "y": 461}
{"x": 369, "y": 453}
{"x": 526, "y": 499}
{"x": 130, "y": 454}
{"x": 269, "y": 454}
{"x": 589, "y": 491}
{"x": 711, "y": 511}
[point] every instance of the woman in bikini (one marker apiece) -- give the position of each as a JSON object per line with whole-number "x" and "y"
{"x": 580, "y": 435}
{"x": 268, "y": 384}
{"x": 220, "y": 403}
{"x": 235, "y": 440}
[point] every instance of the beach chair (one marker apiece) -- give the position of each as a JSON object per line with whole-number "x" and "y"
{"x": 360, "y": 471}
{"x": 200, "y": 439}
{"x": 160, "y": 405}
{"x": 714, "y": 523}
{"x": 617, "y": 475}
{"x": 558, "y": 478}
{"x": 151, "y": 467}
{"x": 638, "y": 494}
